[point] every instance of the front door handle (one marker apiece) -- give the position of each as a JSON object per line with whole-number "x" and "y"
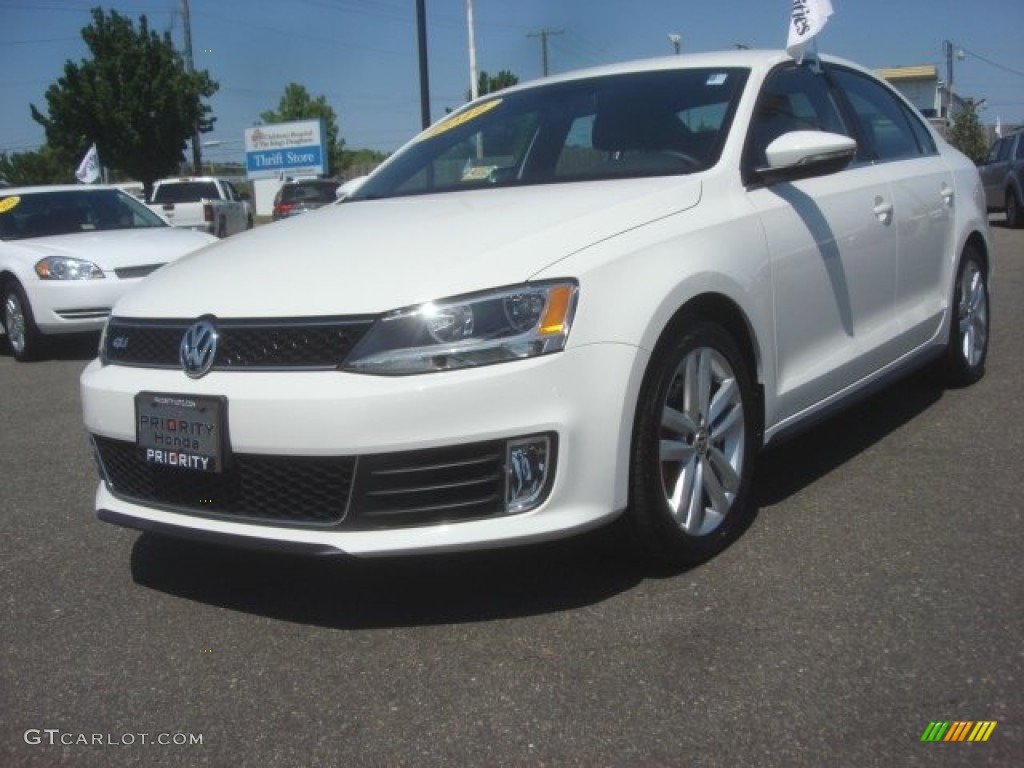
{"x": 883, "y": 210}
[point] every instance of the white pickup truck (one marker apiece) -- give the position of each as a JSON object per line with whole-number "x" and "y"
{"x": 204, "y": 203}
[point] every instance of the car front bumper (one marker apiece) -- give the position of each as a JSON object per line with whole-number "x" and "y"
{"x": 582, "y": 398}
{"x": 75, "y": 306}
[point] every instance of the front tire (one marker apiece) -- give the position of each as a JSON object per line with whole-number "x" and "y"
{"x": 694, "y": 446}
{"x": 23, "y": 336}
{"x": 967, "y": 347}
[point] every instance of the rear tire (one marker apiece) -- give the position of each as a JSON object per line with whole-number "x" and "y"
{"x": 967, "y": 347}
{"x": 694, "y": 447}
{"x": 1014, "y": 215}
{"x": 23, "y": 336}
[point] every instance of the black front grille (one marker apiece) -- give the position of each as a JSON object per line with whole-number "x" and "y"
{"x": 127, "y": 273}
{"x": 394, "y": 490}
{"x": 287, "y": 490}
{"x": 306, "y": 343}
{"x": 433, "y": 486}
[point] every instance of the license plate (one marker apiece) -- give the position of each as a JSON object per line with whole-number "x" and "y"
{"x": 185, "y": 432}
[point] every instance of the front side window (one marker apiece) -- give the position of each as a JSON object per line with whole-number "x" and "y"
{"x": 999, "y": 151}
{"x": 656, "y": 123}
{"x": 793, "y": 98}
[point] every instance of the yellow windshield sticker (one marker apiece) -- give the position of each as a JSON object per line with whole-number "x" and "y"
{"x": 8, "y": 203}
{"x": 459, "y": 119}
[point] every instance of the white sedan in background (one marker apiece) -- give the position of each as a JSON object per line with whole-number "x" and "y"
{"x": 588, "y": 298}
{"x": 68, "y": 253}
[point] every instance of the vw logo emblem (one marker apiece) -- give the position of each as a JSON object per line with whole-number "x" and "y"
{"x": 198, "y": 348}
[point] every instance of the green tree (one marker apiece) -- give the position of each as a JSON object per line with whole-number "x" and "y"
{"x": 133, "y": 98}
{"x": 297, "y": 104}
{"x": 486, "y": 83}
{"x": 966, "y": 133}
{"x": 46, "y": 165}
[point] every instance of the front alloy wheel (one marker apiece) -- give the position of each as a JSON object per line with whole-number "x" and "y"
{"x": 16, "y": 314}
{"x": 693, "y": 448}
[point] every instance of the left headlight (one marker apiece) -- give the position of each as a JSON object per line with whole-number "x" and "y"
{"x": 481, "y": 329}
{"x": 64, "y": 268}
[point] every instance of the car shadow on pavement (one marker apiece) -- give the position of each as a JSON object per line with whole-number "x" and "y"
{"x": 71, "y": 347}
{"x": 347, "y": 593}
{"x": 787, "y": 469}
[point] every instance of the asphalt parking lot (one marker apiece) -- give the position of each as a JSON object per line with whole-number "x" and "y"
{"x": 880, "y": 588}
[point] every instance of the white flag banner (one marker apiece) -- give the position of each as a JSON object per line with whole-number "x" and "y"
{"x": 999, "y": 128}
{"x": 806, "y": 20}
{"x": 89, "y": 169}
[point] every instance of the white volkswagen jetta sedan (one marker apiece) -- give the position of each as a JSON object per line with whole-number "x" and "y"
{"x": 68, "y": 253}
{"x": 593, "y": 296}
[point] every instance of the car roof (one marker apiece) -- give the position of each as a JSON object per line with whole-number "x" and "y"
{"x": 87, "y": 188}
{"x": 746, "y": 59}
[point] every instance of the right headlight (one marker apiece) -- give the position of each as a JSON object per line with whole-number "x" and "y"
{"x": 66, "y": 268}
{"x": 481, "y": 329}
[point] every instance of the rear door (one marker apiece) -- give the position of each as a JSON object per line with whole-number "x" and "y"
{"x": 923, "y": 200}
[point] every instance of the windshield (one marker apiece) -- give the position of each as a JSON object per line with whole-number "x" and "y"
{"x": 657, "y": 123}
{"x": 64, "y": 212}
{"x": 185, "y": 192}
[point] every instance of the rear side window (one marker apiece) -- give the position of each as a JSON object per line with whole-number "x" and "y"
{"x": 1019, "y": 154}
{"x": 887, "y": 125}
{"x": 186, "y": 192}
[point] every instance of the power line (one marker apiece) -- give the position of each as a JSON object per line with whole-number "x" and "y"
{"x": 991, "y": 63}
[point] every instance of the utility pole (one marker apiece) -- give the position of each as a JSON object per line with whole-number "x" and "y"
{"x": 474, "y": 78}
{"x": 421, "y": 33}
{"x": 544, "y": 34}
{"x": 949, "y": 49}
{"x": 197, "y": 152}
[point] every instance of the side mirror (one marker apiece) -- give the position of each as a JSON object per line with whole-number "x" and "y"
{"x": 806, "y": 154}
{"x": 349, "y": 187}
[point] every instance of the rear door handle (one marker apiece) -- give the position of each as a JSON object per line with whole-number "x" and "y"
{"x": 947, "y": 195}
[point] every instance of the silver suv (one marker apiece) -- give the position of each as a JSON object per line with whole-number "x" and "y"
{"x": 1002, "y": 173}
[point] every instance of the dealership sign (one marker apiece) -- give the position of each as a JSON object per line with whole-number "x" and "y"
{"x": 286, "y": 149}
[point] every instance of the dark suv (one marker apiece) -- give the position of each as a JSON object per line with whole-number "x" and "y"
{"x": 295, "y": 197}
{"x": 1002, "y": 173}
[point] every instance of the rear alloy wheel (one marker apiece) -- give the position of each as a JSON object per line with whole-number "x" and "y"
{"x": 693, "y": 448}
{"x": 1014, "y": 216}
{"x": 969, "y": 328}
{"x": 16, "y": 314}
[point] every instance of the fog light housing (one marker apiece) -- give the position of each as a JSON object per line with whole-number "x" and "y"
{"x": 529, "y": 468}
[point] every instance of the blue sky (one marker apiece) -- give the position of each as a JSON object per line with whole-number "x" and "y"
{"x": 362, "y": 54}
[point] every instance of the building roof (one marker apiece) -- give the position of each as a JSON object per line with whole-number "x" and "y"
{"x": 921, "y": 72}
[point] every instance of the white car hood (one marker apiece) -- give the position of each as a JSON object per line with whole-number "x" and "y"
{"x": 115, "y": 249}
{"x": 373, "y": 256}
